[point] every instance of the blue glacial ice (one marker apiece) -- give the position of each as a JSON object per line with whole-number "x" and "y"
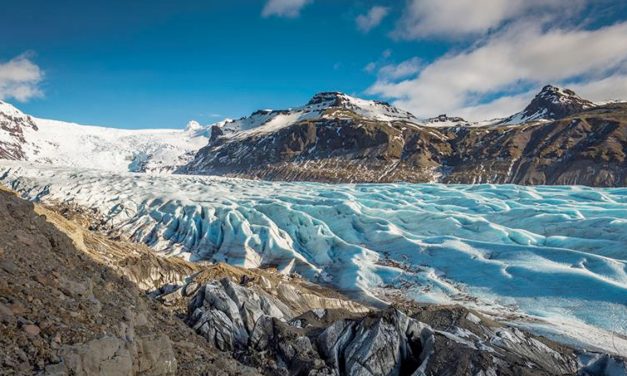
{"x": 554, "y": 253}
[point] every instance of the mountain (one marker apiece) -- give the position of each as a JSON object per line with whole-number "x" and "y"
{"x": 24, "y": 137}
{"x": 325, "y": 105}
{"x": 13, "y": 124}
{"x": 446, "y": 121}
{"x": 551, "y": 103}
{"x": 558, "y": 138}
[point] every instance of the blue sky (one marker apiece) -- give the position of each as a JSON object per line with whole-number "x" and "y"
{"x": 158, "y": 63}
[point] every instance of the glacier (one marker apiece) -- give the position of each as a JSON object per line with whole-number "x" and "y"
{"x": 86, "y": 146}
{"x": 552, "y": 259}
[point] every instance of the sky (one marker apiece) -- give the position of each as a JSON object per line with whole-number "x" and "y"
{"x": 161, "y": 63}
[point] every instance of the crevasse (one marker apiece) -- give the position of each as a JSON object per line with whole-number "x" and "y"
{"x": 543, "y": 251}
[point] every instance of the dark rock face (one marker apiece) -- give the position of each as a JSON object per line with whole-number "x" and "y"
{"x": 261, "y": 331}
{"x": 587, "y": 148}
{"x": 447, "y": 119}
{"x": 215, "y": 133}
{"x": 386, "y": 343}
{"x": 13, "y": 126}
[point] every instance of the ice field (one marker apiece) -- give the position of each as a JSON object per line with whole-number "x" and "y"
{"x": 555, "y": 255}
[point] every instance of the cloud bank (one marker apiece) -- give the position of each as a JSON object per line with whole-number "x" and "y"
{"x": 284, "y": 8}
{"x": 20, "y": 78}
{"x": 448, "y": 19}
{"x": 498, "y": 74}
{"x": 370, "y": 20}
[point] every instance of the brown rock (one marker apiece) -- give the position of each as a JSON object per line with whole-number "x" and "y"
{"x": 42, "y": 279}
{"x": 31, "y": 330}
{"x": 104, "y": 356}
{"x": 17, "y": 308}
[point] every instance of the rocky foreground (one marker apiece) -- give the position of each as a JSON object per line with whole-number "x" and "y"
{"x": 73, "y": 302}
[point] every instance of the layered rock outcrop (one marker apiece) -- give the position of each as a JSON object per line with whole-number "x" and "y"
{"x": 260, "y": 330}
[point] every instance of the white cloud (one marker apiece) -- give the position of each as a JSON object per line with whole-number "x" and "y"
{"x": 20, "y": 78}
{"x": 523, "y": 55}
{"x": 370, "y": 67}
{"x": 610, "y": 88}
{"x": 613, "y": 87}
{"x": 284, "y": 8}
{"x": 449, "y": 19}
{"x": 376, "y": 14}
{"x": 498, "y": 108}
{"x": 398, "y": 71}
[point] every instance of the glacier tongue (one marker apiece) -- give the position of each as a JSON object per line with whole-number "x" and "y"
{"x": 555, "y": 253}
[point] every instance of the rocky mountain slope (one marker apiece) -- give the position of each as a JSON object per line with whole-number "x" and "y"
{"x": 552, "y": 103}
{"x": 558, "y": 139}
{"x": 24, "y": 137}
{"x": 83, "y": 304}
{"x": 68, "y": 304}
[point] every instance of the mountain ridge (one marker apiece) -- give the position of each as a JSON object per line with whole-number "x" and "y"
{"x": 24, "y": 137}
{"x": 558, "y": 138}
{"x": 551, "y": 103}
{"x": 335, "y": 137}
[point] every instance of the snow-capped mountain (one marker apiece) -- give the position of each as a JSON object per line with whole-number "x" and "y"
{"x": 23, "y": 137}
{"x": 13, "y": 124}
{"x": 337, "y": 138}
{"x": 551, "y": 103}
{"x": 325, "y": 105}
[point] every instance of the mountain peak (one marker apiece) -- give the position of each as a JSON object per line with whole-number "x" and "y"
{"x": 327, "y": 96}
{"x": 551, "y": 103}
{"x": 366, "y": 108}
{"x": 339, "y": 99}
{"x": 193, "y": 125}
{"x": 444, "y": 120}
{"x": 8, "y": 109}
{"x": 323, "y": 105}
{"x": 555, "y": 92}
